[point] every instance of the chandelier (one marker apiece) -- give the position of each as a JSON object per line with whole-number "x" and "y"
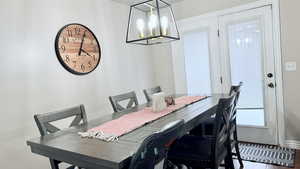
{"x": 151, "y": 22}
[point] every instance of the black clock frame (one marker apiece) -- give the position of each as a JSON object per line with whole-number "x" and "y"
{"x": 60, "y": 59}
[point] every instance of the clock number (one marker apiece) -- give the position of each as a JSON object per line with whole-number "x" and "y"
{"x": 82, "y": 67}
{"x": 70, "y": 32}
{"x": 62, "y": 48}
{"x": 94, "y": 57}
{"x": 90, "y": 64}
{"x": 67, "y": 58}
{"x": 77, "y": 31}
{"x": 66, "y": 40}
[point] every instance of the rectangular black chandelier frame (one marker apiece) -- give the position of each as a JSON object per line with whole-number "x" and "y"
{"x": 147, "y": 39}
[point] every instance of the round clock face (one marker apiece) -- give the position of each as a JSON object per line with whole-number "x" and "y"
{"x": 77, "y": 49}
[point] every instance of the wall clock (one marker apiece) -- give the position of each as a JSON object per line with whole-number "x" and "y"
{"x": 77, "y": 49}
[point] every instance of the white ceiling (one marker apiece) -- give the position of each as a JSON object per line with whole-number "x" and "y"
{"x": 129, "y": 2}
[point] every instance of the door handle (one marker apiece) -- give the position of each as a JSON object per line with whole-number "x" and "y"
{"x": 271, "y": 85}
{"x": 270, "y": 75}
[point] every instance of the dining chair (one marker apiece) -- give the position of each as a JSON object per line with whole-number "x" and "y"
{"x": 45, "y": 127}
{"x": 153, "y": 151}
{"x": 149, "y": 92}
{"x": 207, "y": 127}
{"x": 132, "y": 101}
{"x": 207, "y": 152}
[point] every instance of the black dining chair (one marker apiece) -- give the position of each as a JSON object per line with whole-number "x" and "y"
{"x": 207, "y": 127}
{"x": 149, "y": 92}
{"x": 153, "y": 151}
{"x": 45, "y": 127}
{"x": 116, "y": 101}
{"x": 207, "y": 152}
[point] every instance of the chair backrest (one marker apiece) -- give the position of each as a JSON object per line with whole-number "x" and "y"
{"x": 115, "y": 101}
{"x": 237, "y": 90}
{"x": 153, "y": 151}
{"x": 149, "y": 92}
{"x": 43, "y": 121}
{"x": 223, "y": 111}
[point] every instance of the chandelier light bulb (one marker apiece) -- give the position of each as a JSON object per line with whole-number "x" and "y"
{"x": 140, "y": 24}
{"x": 152, "y": 24}
{"x": 164, "y": 25}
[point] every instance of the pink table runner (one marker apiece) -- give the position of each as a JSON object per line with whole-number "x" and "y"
{"x": 111, "y": 130}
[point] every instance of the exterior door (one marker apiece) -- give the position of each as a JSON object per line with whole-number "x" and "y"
{"x": 246, "y": 54}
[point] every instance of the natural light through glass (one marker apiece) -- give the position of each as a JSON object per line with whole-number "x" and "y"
{"x": 196, "y": 52}
{"x": 245, "y": 47}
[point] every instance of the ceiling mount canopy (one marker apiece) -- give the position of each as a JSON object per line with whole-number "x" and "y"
{"x": 151, "y": 22}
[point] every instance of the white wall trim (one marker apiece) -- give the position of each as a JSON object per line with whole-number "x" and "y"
{"x": 292, "y": 144}
{"x": 277, "y": 53}
{"x": 279, "y": 77}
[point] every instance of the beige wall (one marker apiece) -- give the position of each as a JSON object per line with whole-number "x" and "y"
{"x": 33, "y": 81}
{"x": 290, "y": 27}
{"x": 163, "y": 67}
{"x": 290, "y": 36}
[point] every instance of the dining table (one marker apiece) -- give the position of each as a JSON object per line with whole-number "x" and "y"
{"x": 67, "y": 146}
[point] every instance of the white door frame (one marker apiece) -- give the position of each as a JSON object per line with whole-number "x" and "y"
{"x": 277, "y": 54}
{"x": 266, "y": 134}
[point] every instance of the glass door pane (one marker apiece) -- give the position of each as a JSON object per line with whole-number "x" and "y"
{"x": 246, "y": 62}
{"x": 197, "y": 62}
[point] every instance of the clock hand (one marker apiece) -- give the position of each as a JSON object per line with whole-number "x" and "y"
{"x": 85, "y": 52}
{"x": 80, "y": 49}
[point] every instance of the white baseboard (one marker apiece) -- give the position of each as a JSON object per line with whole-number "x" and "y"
{"x": 293, "y": 144}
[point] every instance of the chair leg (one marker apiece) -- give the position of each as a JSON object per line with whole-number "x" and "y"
{"x": 237, "y": 149}
{"x": 226, "y": 163}
{"x": 215, "y": 166}
{"x": 54, "y": 164}
{"x": 229, "y": 160}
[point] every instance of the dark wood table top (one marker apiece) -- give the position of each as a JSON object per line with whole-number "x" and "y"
{"x": 68, "y": 146}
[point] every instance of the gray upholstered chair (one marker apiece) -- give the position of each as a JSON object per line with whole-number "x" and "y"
{"x": 149, "y": 92}
{"x": 132, "y": 101}
{"x": 45, "y": 127}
